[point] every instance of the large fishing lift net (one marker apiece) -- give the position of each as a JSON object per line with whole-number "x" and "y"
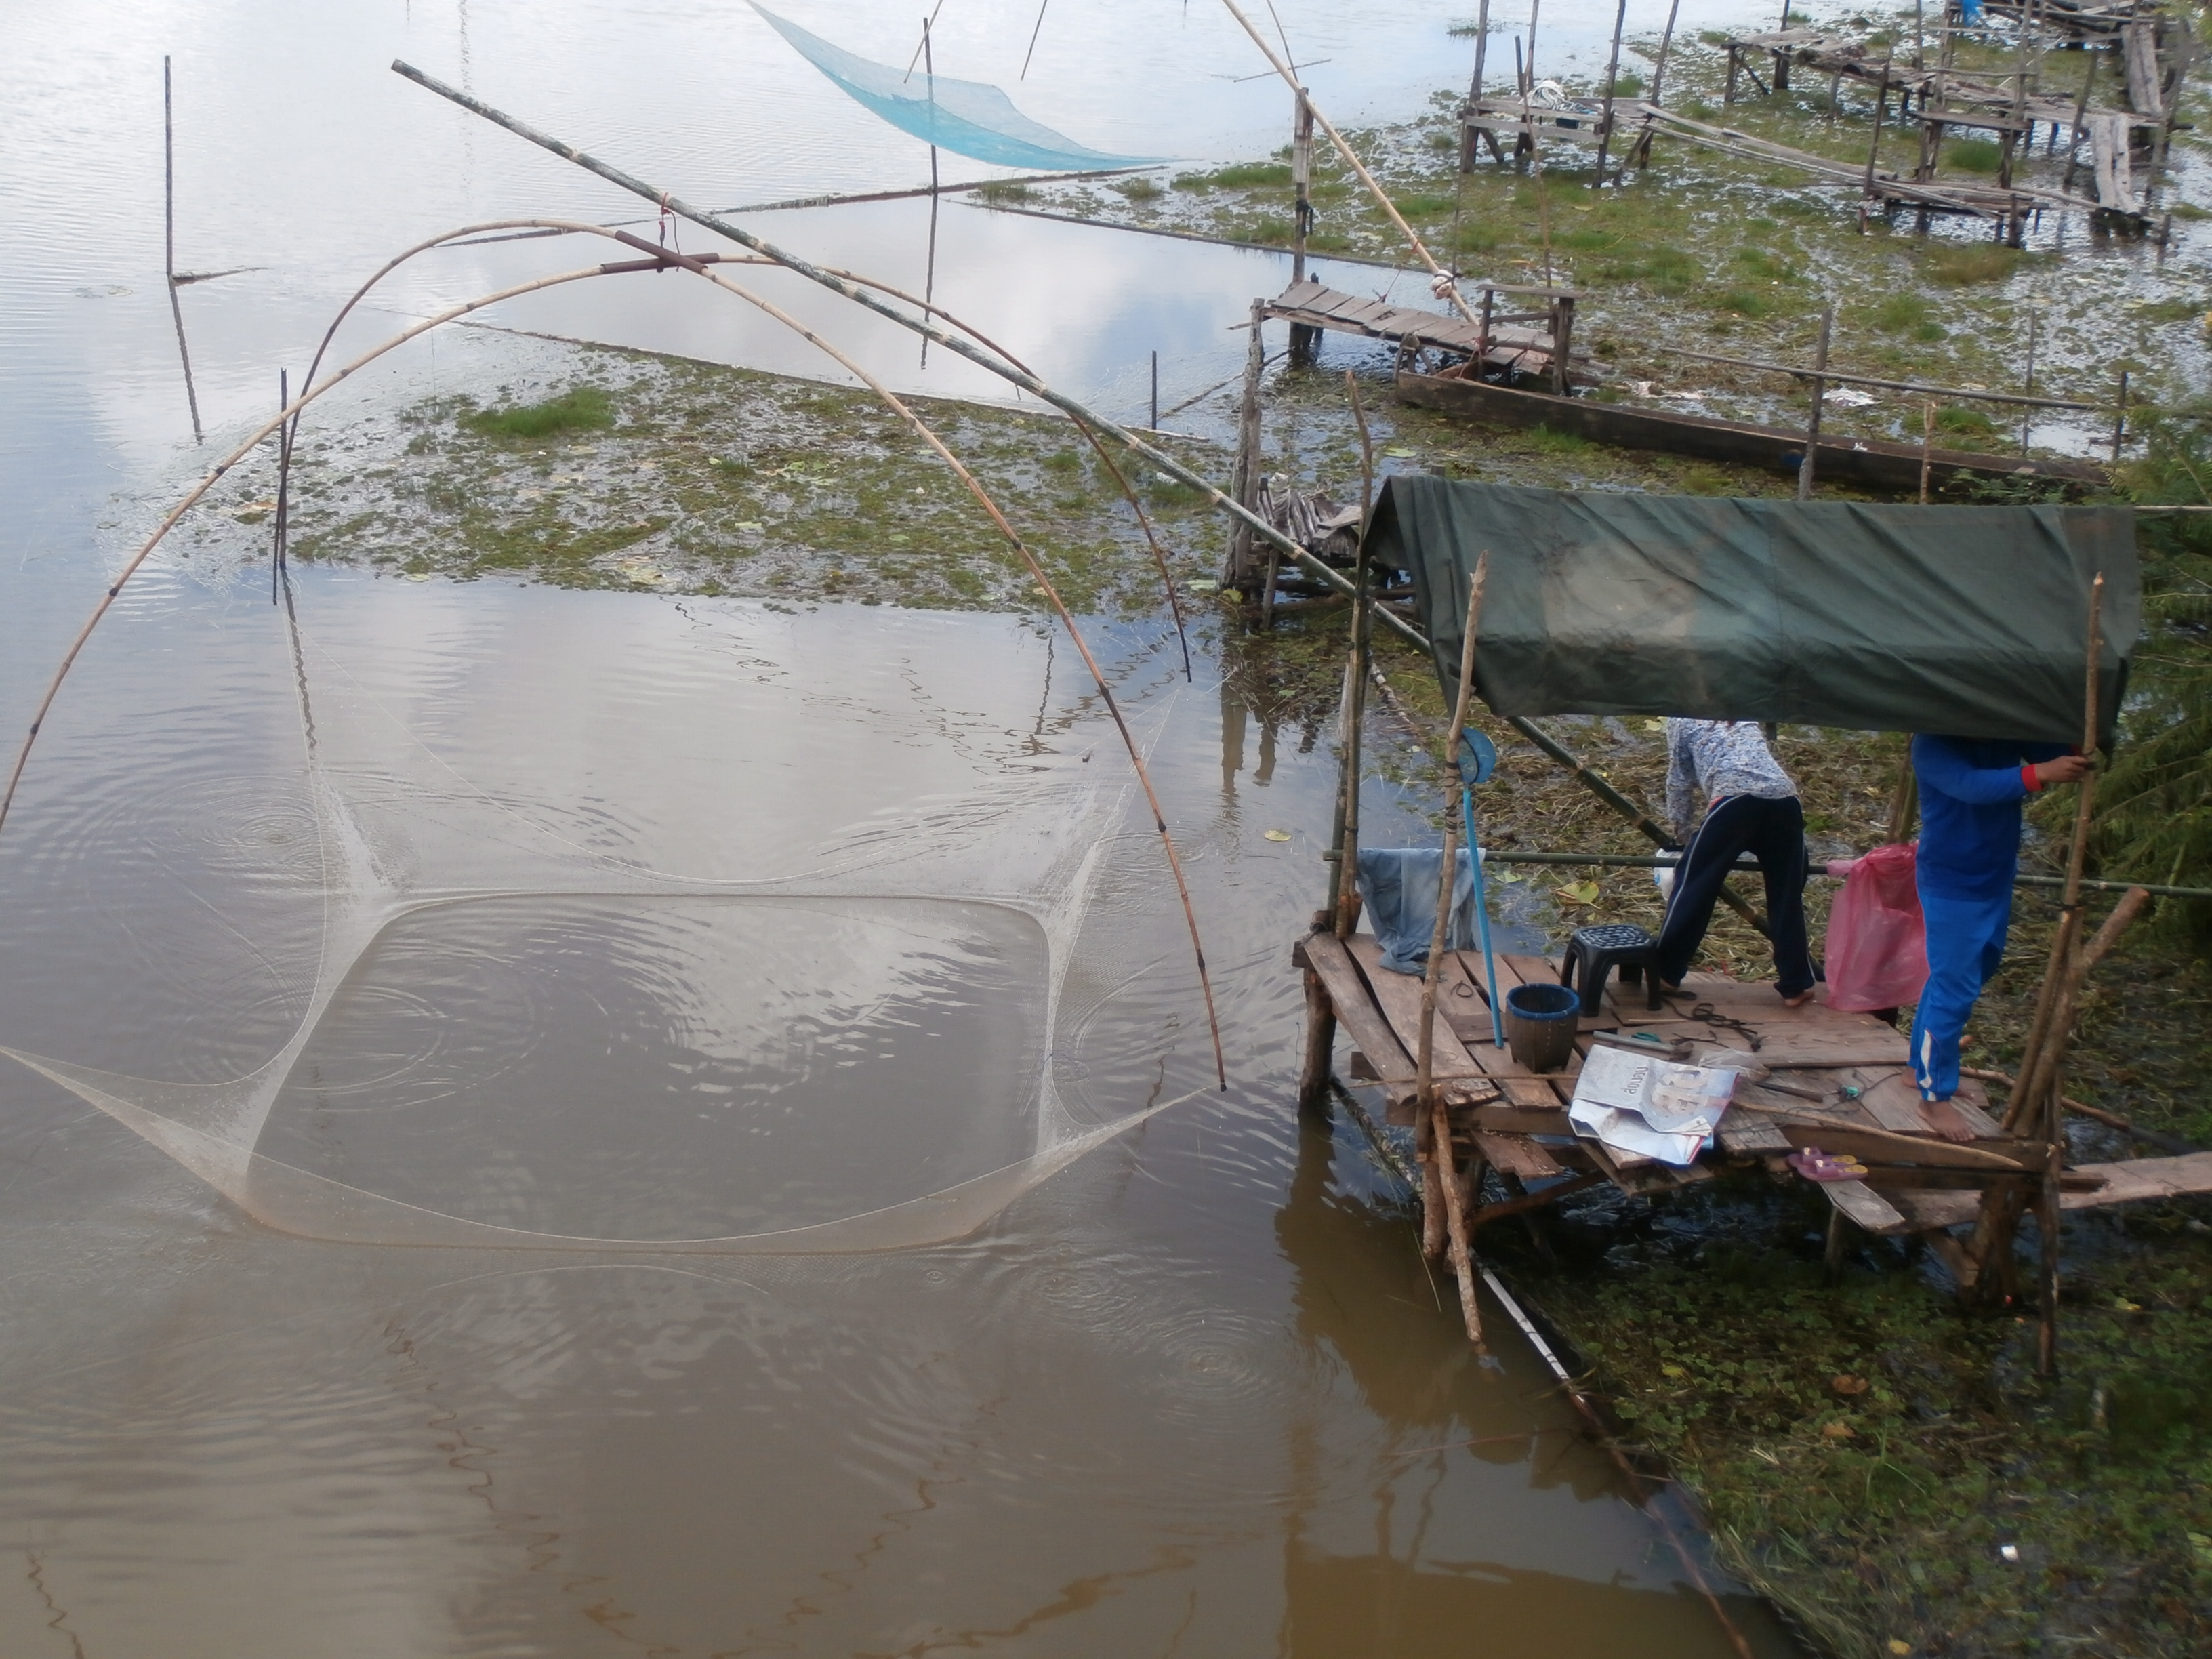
{"x": 649, "y": 925}
{"x": 969, "y": 117}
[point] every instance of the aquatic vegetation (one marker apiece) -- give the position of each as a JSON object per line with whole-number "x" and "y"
{"x": 581, "y": 409}
{"x": 1956, "y": 264}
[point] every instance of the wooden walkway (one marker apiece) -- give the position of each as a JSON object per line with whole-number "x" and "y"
{"x": 1840, "y": 1081}
{"x": 1514, "y": 348}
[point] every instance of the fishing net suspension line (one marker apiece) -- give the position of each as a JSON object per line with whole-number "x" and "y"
{"x": 662, "y": 260}
{"x": 1014, "y": 376}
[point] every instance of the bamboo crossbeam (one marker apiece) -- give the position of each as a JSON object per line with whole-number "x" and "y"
{"x": 1840, "y": 377}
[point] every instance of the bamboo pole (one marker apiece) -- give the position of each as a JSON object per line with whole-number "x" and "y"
{"x": 2036, "y": 1075}
{"x": 1355, "y": 691}
{"x": 997, "y": 363}
{"x": 668, "y": 258}
{"x": 208, "y": 482}
{"x": 1658, "y": 76}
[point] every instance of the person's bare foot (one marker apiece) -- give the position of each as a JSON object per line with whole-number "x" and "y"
{"x": 1798, "y": 1001}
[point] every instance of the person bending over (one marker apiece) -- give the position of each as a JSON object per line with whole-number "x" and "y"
{"x": 1751, "y": 806}
{"x": 1971, "y": 791}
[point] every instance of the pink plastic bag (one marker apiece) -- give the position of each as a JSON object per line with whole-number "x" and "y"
{"x": 1877, "y": 943}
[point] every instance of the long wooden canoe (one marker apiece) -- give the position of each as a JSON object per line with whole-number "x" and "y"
{"x": 1869, "y": 463}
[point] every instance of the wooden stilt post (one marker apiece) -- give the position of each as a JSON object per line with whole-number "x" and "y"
{"x": 1927, "y": 447}
{"x": 1820, "y": 399}
{"x": 1306, "y": 342}
{"x": 1873, "y": 148}
{"x": 1244, "y": 483}
{"x": 2120, "y": 418}
{"x": 1643, "y": 155}
{"x": 1612, "y": 75}
{"x": 1468, "y": 130}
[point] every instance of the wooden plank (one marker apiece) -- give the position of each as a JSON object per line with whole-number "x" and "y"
{"x": 1521, "y": 1119}
{"x": 1517, "y": 1155}
{"x": 1858, "y": 1203}
{"x": 1746, "y": 1134}
{"x": 2144, "y": 1178}
{"x": 1399, "y": 995}
{"x": 1355, "y": 1006}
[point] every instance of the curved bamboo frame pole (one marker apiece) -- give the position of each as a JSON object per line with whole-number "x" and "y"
{"x": 698, "y": 267}
{"x": 668, "y": 202}
{"x": 307, "y": 396}
{"x": 1059, "y": 605}
{"x": 581, "y": 227}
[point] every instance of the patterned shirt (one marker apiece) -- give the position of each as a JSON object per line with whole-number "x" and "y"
{"x": 1720, "y": 757}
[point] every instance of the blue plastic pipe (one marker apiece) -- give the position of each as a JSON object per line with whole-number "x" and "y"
{"x": 1482, "y": 915}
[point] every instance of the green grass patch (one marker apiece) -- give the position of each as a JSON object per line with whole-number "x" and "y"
{"x": 1963, "y": 265}
{"x": 580, "y": 409}
{"x": 1957, "y": 421}
{"x": 1138, "y": 189}
{"x": 1973, "y": 154}
{"x": 1744, "y": 302}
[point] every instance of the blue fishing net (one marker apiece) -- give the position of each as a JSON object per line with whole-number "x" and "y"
{"x": 969, "y": 117}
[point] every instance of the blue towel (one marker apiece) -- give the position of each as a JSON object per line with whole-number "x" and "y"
{"x": 1398, "y": 884}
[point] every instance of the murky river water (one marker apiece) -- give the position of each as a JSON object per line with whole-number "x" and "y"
{"x": 613, "y": 916}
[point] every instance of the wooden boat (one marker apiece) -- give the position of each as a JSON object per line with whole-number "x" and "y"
{"x": 1871, "y": 464}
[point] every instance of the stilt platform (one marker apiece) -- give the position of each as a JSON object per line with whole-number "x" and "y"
{"x": 1839, "y": 1081}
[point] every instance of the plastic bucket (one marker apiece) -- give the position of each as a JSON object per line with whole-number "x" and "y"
{"x": 1540, "y": 1022}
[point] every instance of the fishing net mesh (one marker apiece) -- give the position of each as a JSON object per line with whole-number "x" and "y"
{"x": 663, "y": 928}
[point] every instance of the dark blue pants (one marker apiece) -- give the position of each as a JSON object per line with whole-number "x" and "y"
{"x": 1772, "y": 832}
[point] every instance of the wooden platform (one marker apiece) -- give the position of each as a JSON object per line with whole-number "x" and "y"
{"x": 1513, "y": 347}
{"x": 1872, "y": 462}
{"x": 1840, "y": 1081}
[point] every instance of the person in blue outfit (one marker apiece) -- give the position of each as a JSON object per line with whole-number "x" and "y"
{"x": 1751, "y": 805}
{"x": 1971, "y": 791}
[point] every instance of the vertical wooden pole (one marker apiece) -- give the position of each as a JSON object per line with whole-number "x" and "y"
{"x": 1306, "y": 342}
{"x": 1245, "y": 482}
{"x": 168, "y": 177}
{"x": 1873, "y": 149}
{"x": 1926, "y": 446}
{"x": 1156, "y": 392}
{"x": 1467, "y": 138}
{"x": 1612, "y": 75}
{"x": 1320, "y": 1046}
{"x": 1563, "y": 339}
{"x": 1643, "y": 155}
{"x": 1820, "y": 400}
{"x": 2120, "y": 418}
{"x": 2028, "y": 388}
{"x": 169, "y": 244}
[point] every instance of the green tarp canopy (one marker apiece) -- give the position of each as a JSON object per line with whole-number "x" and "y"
{"x": 1971, "y": 621}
